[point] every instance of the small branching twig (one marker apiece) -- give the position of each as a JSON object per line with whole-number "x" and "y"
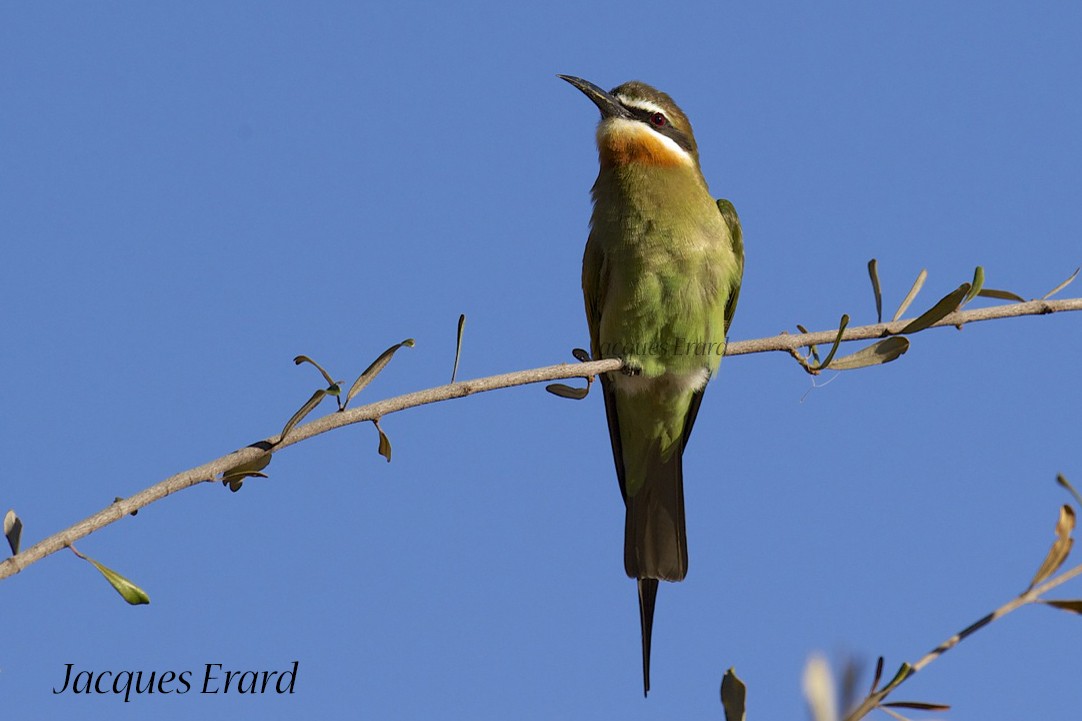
{"x": 1043, "y": 581}
{"x": 251, "y": 459}
{"x": 819, "y": 687}
{"x": 876, "y": 698}
{"x": 894, "y": 347}
{"x": 787, "y": 342}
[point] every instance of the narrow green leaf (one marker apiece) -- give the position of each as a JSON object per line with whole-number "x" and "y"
{"x": 873, "y": 272}
{"x": 883, "y": 351}
{"x": 250, "y": 467}
{"x": 234, "y": 477}
{"x": 304, "y": 410}
{"x": 878, "y": 674}
{"x": 235, "y": 482}
{"x": 904, "y": 672}
{"x": 911, "y": 295}
{"x": 812, "y": 349}
{"x": 918, "y": 705}
{"x": 946, "y": 305}
{"x": 384, "y": 442}
{"x": 305, "y": 359}
{"x": 733, "y": 696}
{"x": 837, "y": 342}
{"x": 976, "y": 285}
{"x": 458, "y": 345}
{"x": 1062, "y": 285}
{"x": 564, "y": 391}
{"x": 127, "y": 590}
{"x": 1072, "y": 606}
{"x": 1061, "y": 548}
{"x": 13, "y": 530}
{"x": 1062, "y": 481}
{"x": 374, "y": 369}
{"x": 1000, "y": 295}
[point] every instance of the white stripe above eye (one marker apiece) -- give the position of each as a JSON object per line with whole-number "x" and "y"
{"x": 642, "y": 104}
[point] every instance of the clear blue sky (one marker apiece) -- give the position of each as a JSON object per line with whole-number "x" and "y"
{"x": 191, "y": 195}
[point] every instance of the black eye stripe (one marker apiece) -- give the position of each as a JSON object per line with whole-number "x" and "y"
{"x": 643, "y": 115}
{"x": 640, "y": 113}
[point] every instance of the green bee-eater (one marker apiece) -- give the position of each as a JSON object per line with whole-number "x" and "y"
{"x": 660, "y": 275}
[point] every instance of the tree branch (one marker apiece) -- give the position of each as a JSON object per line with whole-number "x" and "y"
{"x": 787, "y": 342}
{"x": 872, "y": 701}
{"x": 213, "y": 470}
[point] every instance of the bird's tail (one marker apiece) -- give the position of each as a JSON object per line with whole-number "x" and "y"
{"x": 647, "y": 596}
{"x": 655, "y": 540}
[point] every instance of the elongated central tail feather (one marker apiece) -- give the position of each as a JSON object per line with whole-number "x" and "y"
{"x": 647, "y": 597}
{"x": 655, "y": 541}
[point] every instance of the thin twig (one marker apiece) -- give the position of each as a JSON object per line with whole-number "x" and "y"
{"x": 212, "y": 470}
{"x": 787, "y": 342}
{"x": 1028, "y": 597}
{"x": 872, "y": 701}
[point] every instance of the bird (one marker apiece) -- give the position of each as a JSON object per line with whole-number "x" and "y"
{"x": 661, "y": 276}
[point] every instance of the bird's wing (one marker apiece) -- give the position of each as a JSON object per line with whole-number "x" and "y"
{"x": 594, "y": 283}
{"x": 594, "y": 277}
{"x": 736, "y": 235}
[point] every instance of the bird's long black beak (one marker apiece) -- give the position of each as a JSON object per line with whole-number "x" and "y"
{"x": 609, "y": 106}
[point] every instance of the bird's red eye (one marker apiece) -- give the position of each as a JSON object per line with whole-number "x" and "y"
{"x": 658, "y": 120}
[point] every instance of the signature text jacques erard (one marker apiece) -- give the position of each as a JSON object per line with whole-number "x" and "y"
{"x": 213, "y": 678}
